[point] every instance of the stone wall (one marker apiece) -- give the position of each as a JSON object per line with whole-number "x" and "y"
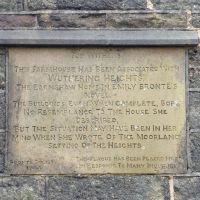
{"x": 109, "y": 14}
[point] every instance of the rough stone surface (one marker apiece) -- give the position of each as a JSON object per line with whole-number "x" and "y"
{"x": 176, "y": 4}
{"x": 11, "y": 5}
{"x": 2, "y": 151}
{"x": 108, "y": 188}
{"x": 7, "y": 21}
{"x": 86, "y": 5}
{"x": 194, "y": 67}
{"x": 194, "y": 77}
{"x": 195, "y": 151}
{"x": 195, "y": 20}
{"x": 2, "y": 110}
{"x": 194, "y": 110}
{"x": 194, "y": 57}
{"x": 187, "y": 188}
{"x": 147, "y": 20}
{"x": 2, "y": 68}
{"x": 26, "y": 188}
{"x": 72, "y": 20}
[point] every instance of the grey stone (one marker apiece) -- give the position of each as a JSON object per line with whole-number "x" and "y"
{"x": 194, "y": 57}
{"x": 187, "y": 188}
{"x": 194, "y": 77}
{"x": 196, "y": 20}
{"x": 176, "y": 4}
{"x": 195, "y": 151}
{"x": 2, "y": 68}
{"x": 194, "y": 110}
{"x": 194, "y": 67}
{"x": 134, "y": 4}
{"x": 11, "y": 5}
{"x": 86, "y": 5}
{"x": 2, "y": 150}
{"x": 2, "y": 162}
{"x": 147, "y": 20}
{"x": 2, "y": 110}
{"x": 108, "y": 188}
{"x": 10, "y": 21}
{"x": 72, "y": 20}
{"x": 26, "y": 188}
{"x": 2, "y": 51}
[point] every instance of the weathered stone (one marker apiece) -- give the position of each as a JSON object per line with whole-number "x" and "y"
{"x": 2, "y": 68}
{"x": 2, "y": 151}
{"x": 194, "y": 110}
{"x": 134, "y": 4}
{"x": 7, "y": 21}
{"x": 194, "y": 57}
{"x": 196, "y": 20}
{"x": 147, "y": 20}
{"x": 195, "y": 151}
{"x": 114, "y": 187}
{"x": 2, "y": 51}
{"x": 11, "y": 5}
{"x": 86, "y": 5}
{"x": 194, "y": 77}
{"x": 194, "y": 67}
{"x": 32, "y": 188}
{"x": 187, "y": 188}
{"x": 72, "y": 20}
{"x": 176, "y": 4}
{"x": 2, "y": 110}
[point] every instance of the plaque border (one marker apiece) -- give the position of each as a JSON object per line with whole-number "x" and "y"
{"x": 106, "y": 38}
{"x": 186, "y": 126}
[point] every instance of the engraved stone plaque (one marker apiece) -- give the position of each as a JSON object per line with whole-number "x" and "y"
{"x": 96, "y": 110}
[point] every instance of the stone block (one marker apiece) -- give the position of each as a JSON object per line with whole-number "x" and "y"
{"x": 194, "y": 67}
{"x": 108, "y": 188}
{"x": 21, "y": 187}
{"x": 195, "y": 151}
{"x": 194, "y": 57}
{"x": 11, "y": 5}
{"x": 186, "y": 188}
{"x": 2, "y": 110}
{"x": 86, "y": 5}
{"x": 72, "y": 20}
{"x": 2, "y": 151}
{"x": 196, "y": 19}
{"x": 194, "y": 77}
{"x": 2, "y": 68}
{"x": 176, "y": 4}
{"x": 7, "y": 21}
{"x": 194, "y": 110}
{"x": 147, "y": 20}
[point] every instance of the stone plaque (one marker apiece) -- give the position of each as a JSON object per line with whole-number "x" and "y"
{"x": 96, "y": 110}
